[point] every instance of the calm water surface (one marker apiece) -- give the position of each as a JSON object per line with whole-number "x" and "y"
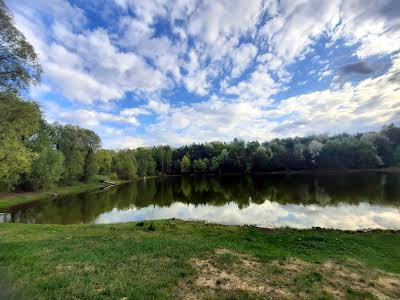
{"x": 342, "y": 201}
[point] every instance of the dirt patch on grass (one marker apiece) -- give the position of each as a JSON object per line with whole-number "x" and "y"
{"x": 226, "y": 274}
{"x": 212, "y": 277}
{"x": 353, "y": 277}
{"x": 75, "y": 268}
{"x": 6, "y": 196}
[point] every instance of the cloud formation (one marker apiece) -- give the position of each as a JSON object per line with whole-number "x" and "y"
{"x": 182, "y": 71}
{"x": 359, "y": 67}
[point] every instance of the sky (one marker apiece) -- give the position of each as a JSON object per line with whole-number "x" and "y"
{"x": 144, "y": 73}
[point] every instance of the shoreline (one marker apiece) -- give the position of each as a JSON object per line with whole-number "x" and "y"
{"x": 8, "y": 200}
{"x": 12, "y": 199}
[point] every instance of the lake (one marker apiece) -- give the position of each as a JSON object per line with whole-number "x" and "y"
{"x": 349, "y": 201}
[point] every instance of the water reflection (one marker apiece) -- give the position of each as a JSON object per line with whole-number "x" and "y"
{"x": 343, "y": 201}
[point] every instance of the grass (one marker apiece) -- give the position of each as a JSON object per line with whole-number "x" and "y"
{"x": 176, "y": 259}
{"x": 12, "y": 199}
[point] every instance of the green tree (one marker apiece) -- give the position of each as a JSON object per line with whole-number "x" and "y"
{"x": 200, "y": 165}
{"x": 214, "y": 165}
{"x": 18, "y": 122}
{"x": 74, "y": 165}
{"x": 15, "y": 160}
{"x": 261, "y": 159}
{"x": 224, "y": 162}
{"x": 104, "y": 160}
{"x": 19, "y": 66}
{"x": 185, "y": 164}
{"x": 18, "y": 118}
{"x": 146, "y": 165}
{"x": 237, "y": 155}
{"x": 78, "y": 146}
{"x": 45, "y": 137}
{"x": 47, "y": 169}
{"x": 163, "y": 157}
{"x": 91, "y": 167}
{"x": 125, "y": 164}
{"x": 349, "y": 153}
{"x": 382, "y": 144}
{"x": 393, "y": 133}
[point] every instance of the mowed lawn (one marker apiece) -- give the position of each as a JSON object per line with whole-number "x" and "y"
{"x": 194, "y": 260}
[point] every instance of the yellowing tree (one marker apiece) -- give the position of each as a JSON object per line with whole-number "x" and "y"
{"x": 185, "y": 164}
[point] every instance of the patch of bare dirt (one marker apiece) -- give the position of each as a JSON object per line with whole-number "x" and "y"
{"x": 6, "y": 196}
{"x": 381, "y": 284}
{"x": 225, "y": 272}
{"x": 86, "y": 268}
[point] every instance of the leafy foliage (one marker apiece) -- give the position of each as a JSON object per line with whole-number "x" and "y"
{"x": 19, "y": 66}
{"x": 104, "y": 161}
{"x": 145, "y": 161}
{"x": 125, "y": 164}
{"x": 47, "y": 169}
{"x": 185, "y": 164}
{"x": 18, "y": 122}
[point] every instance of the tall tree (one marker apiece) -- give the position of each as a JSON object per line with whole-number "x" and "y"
{"x": 78, "y": 146}
{"x": 125, "y": 164}
{"x": 91, "y": 167}
{"x": 185, "y": 164}
{"x": 261, "y": 158}
{"x": 19, "y": 66}
{"x": 104, "y": 160}
{"x": 146, "y": 163}
{"x": 18, "y": 122}
{"x": 47, "y": 169}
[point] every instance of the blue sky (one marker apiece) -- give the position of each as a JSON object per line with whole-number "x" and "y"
{"x": 143, "y": 73}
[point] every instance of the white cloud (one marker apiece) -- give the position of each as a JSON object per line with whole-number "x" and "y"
{"x": 135, "y": 111}
{"x": 367, "y": 105}
{"x": 215, "y": 119}
{"x": 260, "y": 86}
{"x": 158, "y": 106}
{"x": 80, "y": 85}
{"x": 232, "y": 45}
{"x": 297, "y": 24}
{"x": 84, "y": 65}
{"x": 375, "y": 25}
{"x": 92, "y": 118}
{"x": 124, "y": 142}
{"x": 215, "y": 22}
{"x": 242, "y": 57}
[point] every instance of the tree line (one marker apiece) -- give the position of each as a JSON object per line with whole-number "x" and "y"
{"x": 36, "y": 155}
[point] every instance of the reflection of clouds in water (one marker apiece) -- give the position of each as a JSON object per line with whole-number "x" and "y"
{"x": 269, "y": 214}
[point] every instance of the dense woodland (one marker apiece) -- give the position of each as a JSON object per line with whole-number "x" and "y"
{"x": 35, "y": 155}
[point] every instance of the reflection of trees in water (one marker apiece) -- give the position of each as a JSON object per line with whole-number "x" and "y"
{"x": 217, "y": 191}
{"x": 293, "y": 189}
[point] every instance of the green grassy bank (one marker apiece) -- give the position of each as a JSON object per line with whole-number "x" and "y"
{"x": 10, "y": 199}
{"x": 194, "y": 260}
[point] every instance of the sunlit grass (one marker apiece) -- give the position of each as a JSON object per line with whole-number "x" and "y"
{"x": 157, "y": 259}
